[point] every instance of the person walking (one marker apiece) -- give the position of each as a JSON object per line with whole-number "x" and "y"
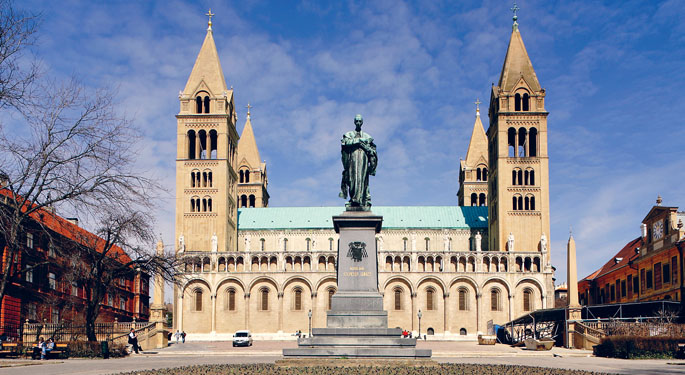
{"x": 178, "y": 336}
{"x": 133, "y": 340}
{"x": 183, "y": 336}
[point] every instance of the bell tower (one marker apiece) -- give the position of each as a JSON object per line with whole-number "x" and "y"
{"x": 473, "y": 171}
{"x": 518, "y": 183}
{"x": 206, "y": 209}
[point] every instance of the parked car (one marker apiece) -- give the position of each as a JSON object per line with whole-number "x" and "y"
{"x": 242, "y": 338}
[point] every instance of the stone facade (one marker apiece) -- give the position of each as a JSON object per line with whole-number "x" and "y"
{"x": 473, "y": 172}
{"x": 432, "y": 259}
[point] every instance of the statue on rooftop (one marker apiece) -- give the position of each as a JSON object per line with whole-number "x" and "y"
{"x": 359, "y": 161}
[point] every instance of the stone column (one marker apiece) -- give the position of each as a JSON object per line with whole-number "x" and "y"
{"x": 446, "y": 306}
{"x": 280, "y": 312}
{"x": 158, "y": 309}
{"x": 511, "y": 307}
{"x": 213, "y": 297}
{"x": 479, "y": 311}
{"x": 314, "y": 305}
{"x": 198, "y": 144}
{"x": 414, "y": 312}
{"x": 179, "y": 307}
{"x": 573, "y": 311}
{"x": 247, "y": 311}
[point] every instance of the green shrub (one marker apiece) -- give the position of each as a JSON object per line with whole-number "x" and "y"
{"x": 637, "y": 347}
{"x": 93, "y": 349}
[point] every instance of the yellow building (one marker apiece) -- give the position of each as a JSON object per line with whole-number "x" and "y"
{"x": 437, "y": 260}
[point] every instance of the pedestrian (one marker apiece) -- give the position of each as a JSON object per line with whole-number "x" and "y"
{"x": 47, "y": 348}
{"x": 178, "y": 336}
{"x": 183, "y": 336}
{"x": 133, "y": 340}
{"x": 38, "y": 349}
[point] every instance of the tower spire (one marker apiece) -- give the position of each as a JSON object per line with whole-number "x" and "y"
{"x": 477, "y": 103}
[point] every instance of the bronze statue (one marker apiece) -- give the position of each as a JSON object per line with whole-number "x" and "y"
{"x": 359, "y": 161}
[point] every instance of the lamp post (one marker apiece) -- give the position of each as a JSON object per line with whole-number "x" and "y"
{"x": 310, "y": 322}
{"x": 419, "y": 315}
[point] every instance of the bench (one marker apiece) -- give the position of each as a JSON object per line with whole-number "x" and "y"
{"x": 10, "y": 348}
{"x": 681, "y": 351}
{"x": 61, "y": 350}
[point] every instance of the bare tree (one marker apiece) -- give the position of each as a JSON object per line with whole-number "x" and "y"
{"x": 121, "y": 251}
{"x": 18, "y": 71}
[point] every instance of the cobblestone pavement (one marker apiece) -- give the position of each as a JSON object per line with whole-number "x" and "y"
{"x": 197, "y": 353}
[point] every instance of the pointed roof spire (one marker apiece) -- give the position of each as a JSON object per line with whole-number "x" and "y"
{"x": 207, "y": 73}
{"x": 210, "y": 15}
{"x": 247, "y": 146}
{"x": 515, "y": 9}
{"x": 517, "y": 63}
{"x": 478, "y": 145}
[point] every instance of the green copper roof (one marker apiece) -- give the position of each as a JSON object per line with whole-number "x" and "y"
{"x": 394, "y": 217}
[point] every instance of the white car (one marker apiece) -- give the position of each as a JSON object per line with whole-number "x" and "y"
{"x": 242, "y": 338}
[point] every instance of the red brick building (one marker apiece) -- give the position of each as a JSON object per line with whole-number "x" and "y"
{"x": 45, "y": 294}
{"x": 647, "y": 268}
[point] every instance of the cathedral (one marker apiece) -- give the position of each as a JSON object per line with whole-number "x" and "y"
{"x": 447, "y": 271}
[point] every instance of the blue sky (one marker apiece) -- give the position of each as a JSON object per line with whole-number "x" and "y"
{"x": 613, "y": 71}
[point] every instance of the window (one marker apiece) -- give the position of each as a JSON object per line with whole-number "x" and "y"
{"x": 428, "y": 242}
{"x": 462, "y": 331}
{"x": 331, "y": 292}
{"x": 122, "y": 303}
{"x": 231, "y": 300}
{"x": 31, "y": 311}
{"x": 527, "y": 300}
{"x": 330, "y": 244}
{"x": 623, "y": 289}
{"x": 298, "y": 299}
{"x": 398, "y": 299}
{"x": 285, "y": 244}
{"x": 74, "y": 288}
{"x": 674, "y": 270}
{"x": 613, "y": 293}
{"x": 517, "y": 102}
{"x": 252, "y": 201}
{"x": 404, "y": 243}
{"x": 29, "y": 275}
{"x": 262, "y": 244}
{"x": 264, "y": 294}
{"x": 110, "y": 300}
{"x": 52, "y": 281}
{"x": 525, "y": 102}
{"x": 636, "y": 284}
{"x": 198, "y": 299}
{"x": 29, "y": 240}
{"x": 474, "y": 199}
{"x": 649, "y": 279}
{"x": 494, "y": 300}
{"x": 430, "y": 299}
{"x": 463, "y": 299}
{"x": 54, "y": 316}
{"x": 51, "y": 249}
{"x": 309, "y": 243}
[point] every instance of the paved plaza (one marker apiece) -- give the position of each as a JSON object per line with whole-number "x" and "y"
{"x": 201, "y": 353}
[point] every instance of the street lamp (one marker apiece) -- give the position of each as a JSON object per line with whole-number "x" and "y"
{"x": 310, "y": 322}
{"x": 419, "y": 315}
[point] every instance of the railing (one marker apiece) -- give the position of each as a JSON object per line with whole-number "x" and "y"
{"x": 67, "y": 331}
{"x": 143, "y": 331}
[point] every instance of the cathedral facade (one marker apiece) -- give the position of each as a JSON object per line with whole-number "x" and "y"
{"x": 446, "y": 271}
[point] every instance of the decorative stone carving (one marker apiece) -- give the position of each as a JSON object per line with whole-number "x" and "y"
{"x": 510, "y": 242}
{"x": 543, "y": 243}
{"x": 479, "y": 238}
{"x": 181, "y": 243}
{"x": 247, "y": 243}
{"x": 215, "y": 243}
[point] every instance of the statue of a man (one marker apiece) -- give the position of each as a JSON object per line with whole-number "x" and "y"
{"x": 359, "y": 161}
{"x": 215, "y": 243}
{"x": 479, "y": 238}
{"x": 543, "y": 243}
{"x": 510, "y": 242}
{"x": 181, "y": 243}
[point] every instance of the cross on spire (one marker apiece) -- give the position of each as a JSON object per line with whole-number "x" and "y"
{"x": 210, "y": 15}
{"x": 477, "y": 103}
{"x": 248, "y": 106}
{"x": 515, "y": 18}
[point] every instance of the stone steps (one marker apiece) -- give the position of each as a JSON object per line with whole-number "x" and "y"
{"x": 369, "y": 341}
{"x": 392, "y": 332}
{"x": 357, "y": 352}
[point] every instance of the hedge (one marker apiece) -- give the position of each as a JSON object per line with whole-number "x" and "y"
{"x": 630, "y": 346}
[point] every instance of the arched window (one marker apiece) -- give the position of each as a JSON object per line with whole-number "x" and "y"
{"x": 243, "y": 200}
{"x": 404, "y": 243}
{"x": 192, "y": 205}
{"x": 191, "y": 144}
{"x": 481, "y": 199}
{"x": 520, "y": 202}
{"x": 331, "y": 292}
{"x": 247, "y": 176}
{"x": 252, "y": 200}
{"x": 527, "y": 300}
{"x": 430, "y": 299}
{"x": 298, "y": 299}
{"x": 527, "y": 203}
{"x": 308, "y": 242}
{"x": 206, "y": 104}
{"x": 430, "y": 331}
{"x": 532, "y": 203}
{"x": 495, "y": 300}
{"x": 462, "y": 331}
{"x": 533, "y": 142}
{"x": 513, "y": 177}
{"x": 478, "y": 174}
{"x": 262, "y": 244}
{"x": 398, "y": 299}
{"x": 463, "y": 299}
{"x": 198, "y": 104}
{"x": 511, "y": 142}
{"x": 428, "y": 243}
{"x": 514, "y": 203}
{"x": 209, "y": 179}
{"x": 519, "y": 177}
{"x": 231, "y": 299}
{"x": 474, "y": 199}
{"x": 517, "y": 102}
{"x": 264, "y": 294}
{"x": 525, "y": 102}
{"x": 242, "y": 177}
{"x": 522, "y": 142}
{"x": 531, "y": 177}
{"x": 209, "y": 204}
{"x": 285, "y": 244}
{"x": 485, "y": 174}
{"x": 330, "y": 244}
{"x": 204, "y": 204}
{"x": 198, "y": 299}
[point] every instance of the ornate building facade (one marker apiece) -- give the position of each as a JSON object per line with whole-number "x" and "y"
{"x": 440, "y": 261}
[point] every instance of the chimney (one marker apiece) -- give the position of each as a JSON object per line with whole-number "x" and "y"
{"x": 73, "y": 220}
{"x": 643, "y": 230}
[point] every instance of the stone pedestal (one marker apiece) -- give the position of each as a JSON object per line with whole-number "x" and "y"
{"x": 357, "y": 325}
